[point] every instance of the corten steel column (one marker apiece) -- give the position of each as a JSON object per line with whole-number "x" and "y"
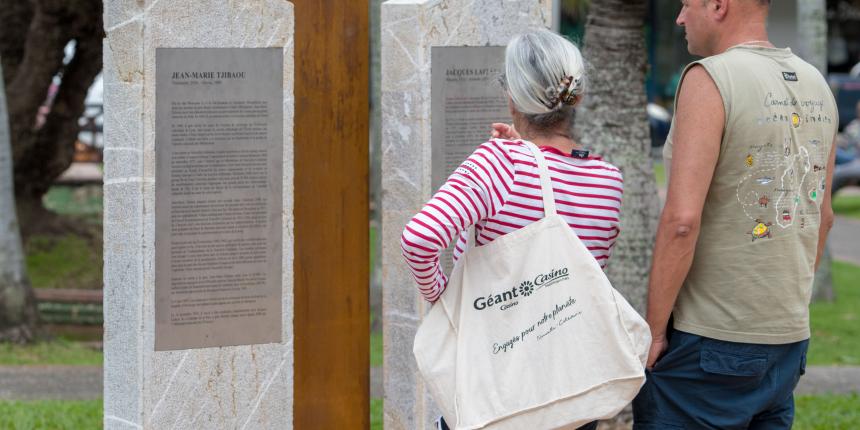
{"x": 332, "y": 323}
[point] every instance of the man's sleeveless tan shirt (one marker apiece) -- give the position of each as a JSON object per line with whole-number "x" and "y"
{"x": 751, "y": 276}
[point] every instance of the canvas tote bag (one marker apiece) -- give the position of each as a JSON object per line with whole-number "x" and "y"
{"x": 529, "y": 333}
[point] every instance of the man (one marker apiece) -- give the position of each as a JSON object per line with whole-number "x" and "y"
{"x": 746, "y": 217}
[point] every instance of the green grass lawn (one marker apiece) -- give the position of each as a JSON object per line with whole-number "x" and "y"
{"x": 376, "y": 352}
{"x": 827, "y": 412}
{"x": 69, "y": 261}
{"x": 660, "y": 174}
{"x": 376, "y": 414}
{"x": 51, "y": 415}
{"x": 83, "y": 201}
{"x": 64, "y": 262}
{"x": 55, "y": 352}
{"x": 847, "y": 205}
{"x": 836, "y": 326}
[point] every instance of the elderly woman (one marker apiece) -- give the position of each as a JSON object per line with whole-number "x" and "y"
{"x": 497, "y": 189}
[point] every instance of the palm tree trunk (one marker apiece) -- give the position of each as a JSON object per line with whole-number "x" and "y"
{"x": 612, "y": 122}
{"x": 17, "y": 303}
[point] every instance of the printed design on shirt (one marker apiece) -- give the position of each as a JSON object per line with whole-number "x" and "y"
{"x": 798, "y": 166}
{"x": 786, "y": 146}
{"x": 761, "y": 230}
{"x": 780, "y": 108}
{"x": 777, "y": 187}
{"x": 783, "y": 181}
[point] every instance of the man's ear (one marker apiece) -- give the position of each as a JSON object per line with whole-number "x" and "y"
{"x": 719, "y": 8}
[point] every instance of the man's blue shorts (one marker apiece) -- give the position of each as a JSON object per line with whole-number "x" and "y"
{"x": 703, "y": 383}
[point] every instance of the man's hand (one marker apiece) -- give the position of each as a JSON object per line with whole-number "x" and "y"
{"x": 504, "y": 131}
{"x": 659, "y": 345}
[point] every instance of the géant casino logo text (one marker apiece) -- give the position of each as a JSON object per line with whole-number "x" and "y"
{"x": 510, "y": 298}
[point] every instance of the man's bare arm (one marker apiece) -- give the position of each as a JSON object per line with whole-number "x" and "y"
{"x": 697, "y": 133}
{"x": 826, "y": 208}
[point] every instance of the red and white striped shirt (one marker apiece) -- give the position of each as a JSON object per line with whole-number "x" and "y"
{"x": 497, "y": 189}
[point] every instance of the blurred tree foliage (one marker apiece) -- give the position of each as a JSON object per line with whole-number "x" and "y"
{"x": 46, "y": 88}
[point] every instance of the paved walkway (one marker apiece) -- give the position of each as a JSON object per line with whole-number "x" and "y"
{"x": 845, "y": 240}
{"x": 85, "y": 382}
{"x": 82, "y": 173}
{"x": 829, "y": 379}
{"x": 50, "y": 382}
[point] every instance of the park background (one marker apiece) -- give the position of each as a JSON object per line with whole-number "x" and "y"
{"x": 54, "y": 380}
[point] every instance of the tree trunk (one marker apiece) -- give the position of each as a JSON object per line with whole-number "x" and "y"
{"x": 612, "y": 122}
{"x": 17, "y": 304}
{"x": 812, "y": 47}
{"x": 33, "y": 55}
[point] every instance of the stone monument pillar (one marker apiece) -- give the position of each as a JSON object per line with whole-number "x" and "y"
{"x": 410, "y": 31}
{"x": 184, "y": 374}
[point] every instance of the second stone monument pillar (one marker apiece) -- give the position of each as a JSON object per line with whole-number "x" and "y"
{"x": 411, "y": 30}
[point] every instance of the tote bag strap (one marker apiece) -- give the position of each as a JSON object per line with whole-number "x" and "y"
{"x": 545, "y": 182}
{"x": 470, "y": 243}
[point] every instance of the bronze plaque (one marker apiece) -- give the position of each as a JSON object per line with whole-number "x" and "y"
{"x": 466, "y": 98}
{"x": 218, "y": 196}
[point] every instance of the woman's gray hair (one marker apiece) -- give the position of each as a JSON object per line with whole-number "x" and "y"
{"x": 544, "y": 76}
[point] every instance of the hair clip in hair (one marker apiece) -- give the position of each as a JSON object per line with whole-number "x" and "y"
{"x": 562, "y": 93}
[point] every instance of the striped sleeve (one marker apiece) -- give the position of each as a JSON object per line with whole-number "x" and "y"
{"x": 474, "y": 192}
{"x": 616, "y": 226}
